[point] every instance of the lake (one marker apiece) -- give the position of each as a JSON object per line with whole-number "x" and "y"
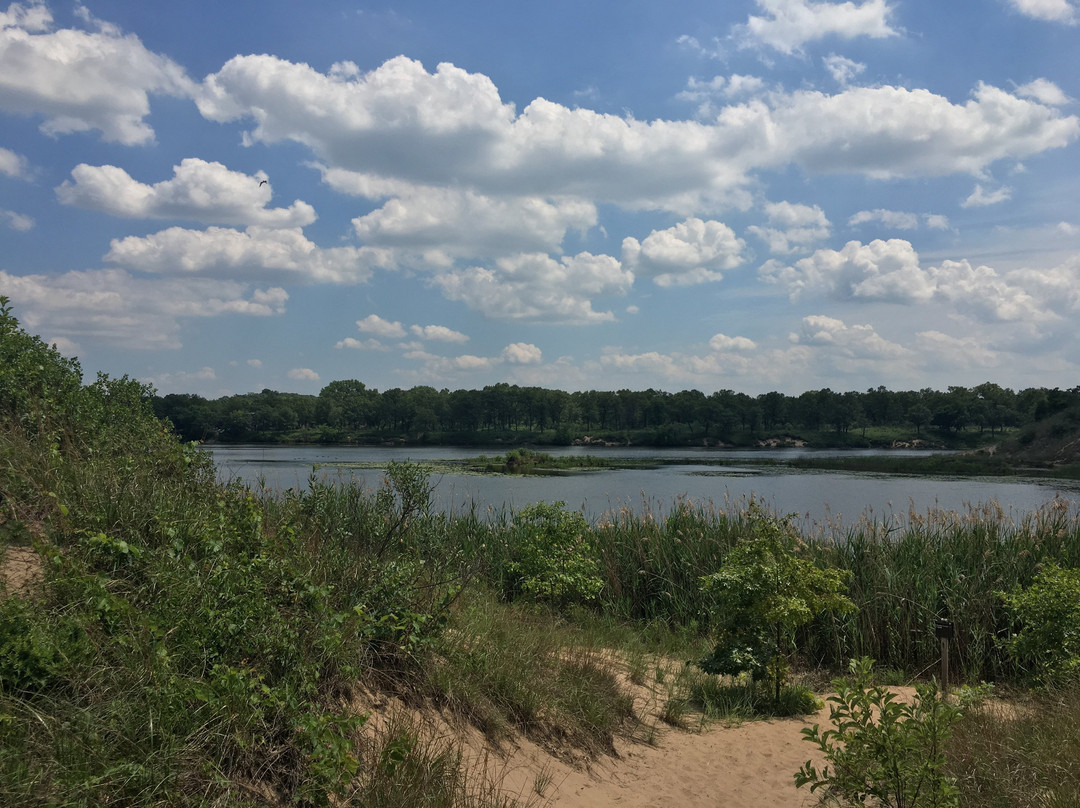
{"x": 818, "y": 497}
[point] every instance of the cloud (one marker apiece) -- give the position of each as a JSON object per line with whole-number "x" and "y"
{"x": 895, "y": 219}
{"x": 539, "y": 288}
{"x": 14, "y": 165}
{"x": 303, "y": 375}
{"x": 114, "y": 307}
{"x": 790, "y": 24}
{"x": 438, "y": 333}
{"x": 1049, "y": 10}
{"x": 693, "y": 251}
{"x": 464, "y": 223}
{"x": 942, "y": 350}
{"x": 890, "y": 271}
{"x": 842, "y": 69}
{"x": 714, "y": 51}
{"x": 1044, "y": 91}
{"x": 892, "y": 132}
{"x": 79, "y": 80}
{"x": 442, "y": 368}
{"x": 796, "y": 227}
{"x": 361, "y": 345}
{"x": 899, "y": 220}
{"x": 706, "y": 94}
{"x": 374, "y": 324}
{"x": 854, "y": 341}
{"x": 17, "y": 221}
{"x": 399, "y": 127}
{"x": 254, "y": 253}
{"x": 522, "y": 353}
{"x": 980, "y": 197}
{"x": 722, "y": 343}
{"x": 199, "y": 190}
{"x": 881, "y": 270}
{"x": 426, "y": 126}
{"x": 254, "y": 363}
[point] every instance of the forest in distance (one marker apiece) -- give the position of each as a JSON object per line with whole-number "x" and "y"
{"x": 348, "y": 411}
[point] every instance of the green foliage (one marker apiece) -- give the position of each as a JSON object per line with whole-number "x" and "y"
{"x": 881, "y": 749}
{"x": 36, "y": 655}
{"x": 1048, "y": 612}
{"x": 764, "y": 591}
{"x": 556, "y": 559}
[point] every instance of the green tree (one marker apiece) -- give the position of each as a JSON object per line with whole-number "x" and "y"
{"x": 764, "y": 591}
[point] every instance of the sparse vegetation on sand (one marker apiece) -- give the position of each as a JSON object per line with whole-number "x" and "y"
{"x": 169, "y": 640}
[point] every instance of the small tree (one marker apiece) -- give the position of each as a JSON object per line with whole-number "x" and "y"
{"x": 762, "y": 593}
{"x": 880, "y": 749}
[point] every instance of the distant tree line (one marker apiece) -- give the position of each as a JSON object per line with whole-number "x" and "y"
{"x": 350, "y": 411}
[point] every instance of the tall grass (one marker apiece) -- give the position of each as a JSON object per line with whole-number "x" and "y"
{"x": 1019, "y": 753}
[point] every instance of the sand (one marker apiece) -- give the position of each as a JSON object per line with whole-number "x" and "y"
{"x": 752, "y": 764}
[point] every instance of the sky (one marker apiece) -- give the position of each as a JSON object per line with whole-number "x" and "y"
{"x": 753, "y": 195}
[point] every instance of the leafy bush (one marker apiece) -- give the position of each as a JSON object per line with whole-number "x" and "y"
{"x": 556, "y": 559}
{"x": 1048, "y": 611}
{"x": 35, "y": 654}
{"x": 881, "y": 749}
{"x": 762, "y": 593}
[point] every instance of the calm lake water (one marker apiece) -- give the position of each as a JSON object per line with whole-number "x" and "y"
{"x": 820, "y": 498}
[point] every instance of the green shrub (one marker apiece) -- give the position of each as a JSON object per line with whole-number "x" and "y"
{"x": 36, "y": 652}
{"x": 556, "y": 559}
{"x": 1048, "y": 642}
{"x": 881, "y": 749}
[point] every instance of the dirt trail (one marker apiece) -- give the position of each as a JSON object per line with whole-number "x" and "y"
{"x": 752, "y": 764}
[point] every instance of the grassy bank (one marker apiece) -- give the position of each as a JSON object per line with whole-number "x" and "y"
{"x": 168, "y": 640}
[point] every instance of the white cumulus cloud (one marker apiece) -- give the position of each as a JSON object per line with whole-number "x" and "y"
{"x": 693, "y": 251}
{"x": 202, "y": 191}
{"x": 438, "y": 333}
{"x": 114, "y": 307}
{"x": 1050, "y": 10}
{"x": 843, "y": 70}
{"x": 17, "y": 221}
{"x": 522, "y": 353}
{"x": 82, "y": 80}
{"x": 853, "y": 341}
{"x": 254, "y": 253}
{"x": 14, "y": 165}
{"x": 399, "y": 127}
{"x": 374, "y": 324}
{"x": 793, "y": 227}
{"x": 723, "y": 343}
{"x": 981, "y": 197}
{"x": 890, "y": 271}
{"x": 464, "y": 223}
{"x": 789, "y": 24}
{"x": 539, "y": 288}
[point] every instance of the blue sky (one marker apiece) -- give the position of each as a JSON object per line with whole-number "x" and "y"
{"x": 763, "y": 195}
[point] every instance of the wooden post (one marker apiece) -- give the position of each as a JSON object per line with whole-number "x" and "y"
{"x": 945, "y": 631}
{"x": 944, "y": 666}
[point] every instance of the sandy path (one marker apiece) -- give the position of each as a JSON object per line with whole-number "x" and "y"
{"x": 752, "y": 764}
